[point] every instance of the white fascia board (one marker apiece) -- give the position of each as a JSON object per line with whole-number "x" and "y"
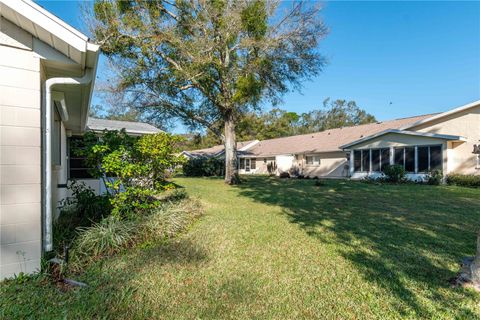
{"x": 248, "y": 146}
{"x": 404, "y": 132}
{"x": 44, "y": 19}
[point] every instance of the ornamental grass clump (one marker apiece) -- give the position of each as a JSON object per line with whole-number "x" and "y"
{"x": 104, "y": 238}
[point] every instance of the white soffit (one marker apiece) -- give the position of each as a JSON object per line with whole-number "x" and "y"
{"x": 48, "y": 28}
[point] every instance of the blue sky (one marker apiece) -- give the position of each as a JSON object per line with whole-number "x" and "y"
{"x": 423, "y": 57}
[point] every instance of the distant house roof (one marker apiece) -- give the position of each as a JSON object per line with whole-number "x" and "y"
{"x": 328, "y": 140}
{"x": 218, "y": 149}
{"x": 404, "y": 132}
{"x": 135, "y": 128}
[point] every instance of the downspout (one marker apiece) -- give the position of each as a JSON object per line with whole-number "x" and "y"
{"x": 87, "y": 78}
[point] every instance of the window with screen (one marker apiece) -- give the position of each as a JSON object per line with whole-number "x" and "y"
{"x": 410, "y": 159}
{"x": 385, "y": 153}
{"x": 313, "y": 160}
{"x": 242, "y": 163}
{"x": 365, "y": 160}
{"x": 78, "y": 168}
{"x": 435, "y": 157}
{"x": 357, "y": 160}
{"x": 375, "y": 160}
{"x": 398, "y": 156}
{"x": 253, "y": 164}
{"x": 422, "y": 156}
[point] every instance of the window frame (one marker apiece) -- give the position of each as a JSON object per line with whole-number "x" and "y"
{"x": 372, "y": 160}
{"x": 366, "y": 161}
{"x": 316, "y": 160}
{"x": 241, "y": 164}
{"x": 57, "y": 139}
{"x": 72, "y": 157}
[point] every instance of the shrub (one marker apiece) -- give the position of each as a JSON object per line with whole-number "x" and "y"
{"x": 82, "y": 209}
{"x": 204, "y": 167}
{"x": 284, "y": 175}
{"x": 471, "y": 181}
{"x": 85, "y": 203}
{"x": 140, "y": 165}
{"x": 394, "y": 173}
{"x": 271, "y": 167}
{"x": 434, "y": 177}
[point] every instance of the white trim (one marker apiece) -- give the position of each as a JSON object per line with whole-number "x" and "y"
{"x": 443, "y": 114}
{"x": 248, "y": 146}
{"x": 62, "y": 106}
{"x": 44, "y": 19}
{"x": 87, "y": 78}
{"x": 405, "y": 132}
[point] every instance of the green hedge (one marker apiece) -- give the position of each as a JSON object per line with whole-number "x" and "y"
{"x": 463, "y": 180}
{"x": 204, "y": 167}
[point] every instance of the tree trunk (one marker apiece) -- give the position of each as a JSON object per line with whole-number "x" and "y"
{"x": 475, "y": 267}
{"x": 231, "y": 171}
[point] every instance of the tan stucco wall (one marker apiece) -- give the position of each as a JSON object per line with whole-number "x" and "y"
{"x": 20, "y": 153}
{"x": 466, "y": 124}
{"x": 332, "y": 165}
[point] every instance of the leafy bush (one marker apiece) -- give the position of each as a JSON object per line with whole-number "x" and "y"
{"x": 204, "y": 167}
{"x": 271, "y": 167}
{"x": 140, "y": 167}
{"x": 284, "y": 175}
{"x": 81, "y": 209}
{"x": 85, "y": 202}
{"x": 394, "y": 173}
{"x": 434, "y": 177}
{"x": 471, "y": 180}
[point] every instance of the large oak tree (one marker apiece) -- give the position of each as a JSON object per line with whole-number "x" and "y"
{"x": 209, "y": 61}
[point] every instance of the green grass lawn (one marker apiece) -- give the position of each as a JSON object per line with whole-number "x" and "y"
{"x": 285, "y": 249}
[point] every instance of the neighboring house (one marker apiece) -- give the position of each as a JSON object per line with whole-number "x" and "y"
{"x": 442, "y": 141}
{"x": 217, "y": 151}
{"x": 47, "y": 74}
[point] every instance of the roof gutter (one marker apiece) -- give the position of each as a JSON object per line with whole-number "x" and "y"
{"x": 49, "y": 84}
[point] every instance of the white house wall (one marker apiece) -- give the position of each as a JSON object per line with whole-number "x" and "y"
{"x": 20, "y": 152}
{"x": 60, "y": 175}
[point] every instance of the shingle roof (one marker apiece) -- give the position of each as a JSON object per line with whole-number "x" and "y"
{"x": 324, "y": 141}
{"x": 99, "y": 125}
{"x": 215, "y": 150}
{"x": 328, "y": 140}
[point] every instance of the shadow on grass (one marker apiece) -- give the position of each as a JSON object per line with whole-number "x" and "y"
{"x": 112, "y": 291}
{"x": 404, "y": 238}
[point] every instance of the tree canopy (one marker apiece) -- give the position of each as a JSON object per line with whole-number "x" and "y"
{"x": 280, "y": 123}
{"x": 209, "y": 62}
